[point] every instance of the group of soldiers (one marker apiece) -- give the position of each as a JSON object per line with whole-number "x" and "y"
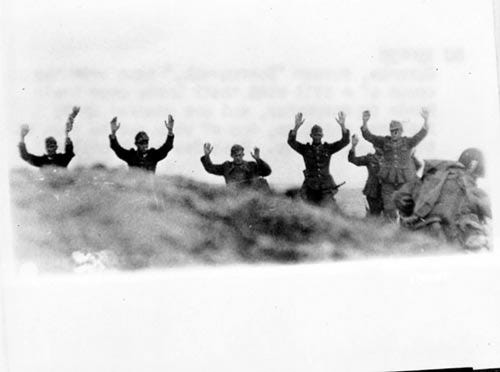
{"x": 445, "y": 200}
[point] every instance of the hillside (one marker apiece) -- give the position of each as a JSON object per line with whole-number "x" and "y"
{"x": 69, "y": 220}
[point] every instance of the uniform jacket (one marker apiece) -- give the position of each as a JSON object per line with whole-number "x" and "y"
{"x": 372, "y": 187}
{"x": 317, "y": 160}
{"x": 396, "y": 166}
{"x": 243, "y": 175}
{"x": 59, "y": 160}
{"x": 148, "y": 160}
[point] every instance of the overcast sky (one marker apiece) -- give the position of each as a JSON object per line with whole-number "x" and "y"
{"x": 237, "y": 72}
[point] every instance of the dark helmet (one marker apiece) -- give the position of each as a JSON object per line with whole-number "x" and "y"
{"x": 316, "y": 129}
{"x": 470, "y": 155}
{"x": 141, "y": 137}
{"x": 50, "y": 141}
{"x": 393, "y": 125}
{"x": 235, "y": 149}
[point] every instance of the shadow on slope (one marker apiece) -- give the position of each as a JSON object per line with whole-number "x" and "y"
{"x": 131, "y": 220}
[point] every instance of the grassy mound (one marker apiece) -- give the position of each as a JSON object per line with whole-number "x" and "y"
{"x": 130, "y": 220}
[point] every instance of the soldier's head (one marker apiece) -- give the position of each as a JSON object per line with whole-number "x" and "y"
{"x": 237, "y": 153}
{"x": 142, "y": 141}
{"x": 396, "y": 129}
{"x": 316, "y": 134}
{"x": 473, "y": 160}
{"x": 51, "y": 145}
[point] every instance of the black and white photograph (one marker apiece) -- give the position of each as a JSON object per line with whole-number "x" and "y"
{"x": 249, "y": 185}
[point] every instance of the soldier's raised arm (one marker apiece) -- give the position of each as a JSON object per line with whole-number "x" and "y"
{"x": 352, "y": 158}
{"x": 217, "y": 169}
{"x": 292, "y": 135}
{"x": 162, "y": 152}
{"x": 420, "y": 135}
{"x": 378, "y": 141}
{"x": 68, "y": 148}
{"x": 344, "y": 141}
{"x": 263, "y": 169}
{"x": 113, "y": 141}
{"x": 23, "y": 151}
{"x": 71, "y": 120}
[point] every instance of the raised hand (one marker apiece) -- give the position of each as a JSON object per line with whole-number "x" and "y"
{"x": 207, "y": 149}
{"x": 424, "y": 113}
{"x": 170, "y": 124}
{"x": 24, "y": 130}
{"x": 366, "y": 117}
{"x": 354, "y": 140}
{"x": 114, "y": 125}
{"x": 341, "y": 119}
{"x": 71, "y": 118}
{"x": 299, "y": 120}
{"x": 256, "y": 153}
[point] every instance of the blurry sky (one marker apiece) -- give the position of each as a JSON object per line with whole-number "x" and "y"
{"x": 237, "y": 72}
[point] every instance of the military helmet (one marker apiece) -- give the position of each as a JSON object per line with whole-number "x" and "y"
{"x": 395, "y": 125}
{"x": 236, "y": 149}
{"x": 141, "y": 137}
{"x": 316, "y": 129}
{"x": 473, "y": 155}
{"x": 50, "y": 141}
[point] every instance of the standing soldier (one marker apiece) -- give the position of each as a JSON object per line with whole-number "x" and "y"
{"x": 372, "y": 189}
{"x": 239, "y": 173}
{"x": 318, "y": 187}
{"x": 52, "y": 157}
{"x": 397, "y": 166}
{"x": 142, "y": 157}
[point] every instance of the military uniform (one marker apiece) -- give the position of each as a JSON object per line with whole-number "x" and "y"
{"x": 372, "y": 189}
{"x": 396, "y": 166}
{"x": 147, "y": 160}
{"x": 58, "y": 160}
{"x": 247, "y": 174}
{"x": 447, "y": 202}
{"x": 319, "y": 186}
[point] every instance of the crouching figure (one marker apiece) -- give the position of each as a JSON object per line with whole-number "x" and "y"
{"x": 446, "y": 201}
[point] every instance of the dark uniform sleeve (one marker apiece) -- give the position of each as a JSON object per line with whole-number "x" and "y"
{"x": 37, "y": 161}
{"x": 68, "y": 152}
{"x": 292, "y": 141}
{"x": 262, "y": 168}
{"x": 378, "y": 141}
{"x": 119, "y": 151}
{"x": 417, "y": 138}
{"x": 340, "y": 144}
{"x": 357, "y": 160}
{"x": 162, "y": 152}
{"x": 217, "y": 169}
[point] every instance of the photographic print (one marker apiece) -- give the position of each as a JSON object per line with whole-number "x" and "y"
{"x": 238, "y": 152}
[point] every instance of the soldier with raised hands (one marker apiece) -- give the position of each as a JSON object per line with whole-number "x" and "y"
{"x": 372, "y": 189}
{"x": 142, "y": 156}
{"x": 397, "y": 165}
{"x": 319, "y": 187}
{"x": 52, "y": 157}
{"x": 239, "y": 173}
